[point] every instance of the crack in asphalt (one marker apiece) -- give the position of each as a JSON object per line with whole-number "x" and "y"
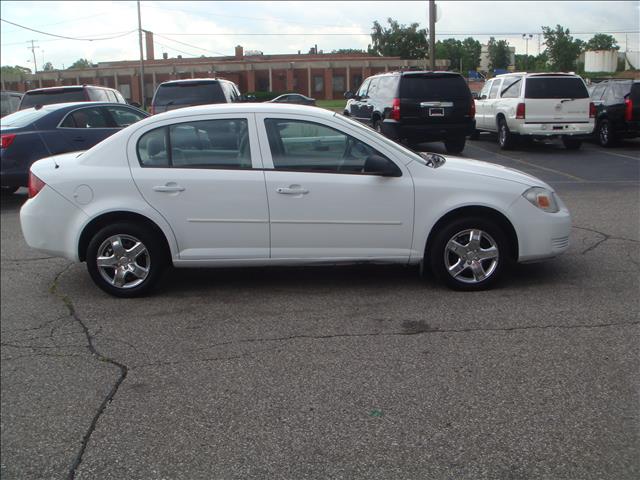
{"x": 605, "y": 237}
{"x": 100, "y": 357}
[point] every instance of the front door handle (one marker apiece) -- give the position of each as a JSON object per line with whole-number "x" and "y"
{"x": 292, "y": 190}
{"x": 169, "y": 187}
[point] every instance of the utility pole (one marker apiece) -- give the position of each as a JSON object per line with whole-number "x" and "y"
{"x": 33, "y": 51}
{"x": 527, "y": 37}
{"x": 143, "y": 100}
{"x": 432, "y": 33}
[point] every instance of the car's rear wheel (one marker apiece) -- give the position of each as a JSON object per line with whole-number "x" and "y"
{"x": 604, "y": 134}
{"x": 126, "y": 260}
{"x": 469, "y": 254}
{"x": 455, "y": 145}
{"x": 506, "y": 139}
{"x": 377, "y": 125}
{"x": 571, "y": 143}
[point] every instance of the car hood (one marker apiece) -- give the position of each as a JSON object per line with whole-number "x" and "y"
{"x": 477, "y": 167}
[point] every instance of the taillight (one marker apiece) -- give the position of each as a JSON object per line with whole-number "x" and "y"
{"x": 35, "y": 185}
{"x": 395, "y": 109}
{"x": 520, "y": 111}
{"x": 592, "y": 110}
{"x": 628, "y": 109}
{"x": 472, "y": 109}
{"x": 7, "y": 139}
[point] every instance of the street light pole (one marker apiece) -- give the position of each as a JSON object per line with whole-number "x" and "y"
{"x": 143, "y": 101}
{"x": 432, "y": 33}
{"x": 527, "y": 37}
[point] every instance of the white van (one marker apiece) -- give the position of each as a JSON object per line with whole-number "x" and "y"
{"x": 536, "y": 105}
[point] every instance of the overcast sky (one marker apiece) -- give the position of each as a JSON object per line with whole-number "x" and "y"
{"x": 292, "y": 26}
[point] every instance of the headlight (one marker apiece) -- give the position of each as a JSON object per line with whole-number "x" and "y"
{"x": 542, "y": 198}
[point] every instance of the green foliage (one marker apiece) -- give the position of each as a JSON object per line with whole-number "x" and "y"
{"x": 80, "y": 63}
{"x": 399, "y": 40}
{"x": 15, "y": 71}
{"x": 499, "y": 53}
{"x": 48, "y": 67}
{"x": 602, "y": 41}
{"x": 525, "y": 63}
{"x": 471, "y": 50}
{"x": 562, "y": 49}
{"x": 450, "y": 49}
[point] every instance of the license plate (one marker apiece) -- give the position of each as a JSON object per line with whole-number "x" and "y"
{"x": 436, "y": 112}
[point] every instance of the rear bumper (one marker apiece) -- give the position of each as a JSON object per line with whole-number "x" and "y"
{"x": 553, "y": 129}
{"x": 419, "y": 132}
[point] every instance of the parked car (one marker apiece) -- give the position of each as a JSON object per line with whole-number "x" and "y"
{"x": 535, "y": 105}
{"x": 34, "y": 133}
{"x": 9, "y": 102}
{"x": 66, "y": 94}
{"x": 190, "y": 92}
{"x": 416, "y": 107}
{"x": 294, "y": 98}
{"x": 300, "y": 185}
{"x": 617, "y": 110}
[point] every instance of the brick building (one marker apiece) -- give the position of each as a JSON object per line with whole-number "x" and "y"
{"x": 322, "y": 76}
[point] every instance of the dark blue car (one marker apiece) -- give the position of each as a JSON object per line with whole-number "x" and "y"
{"x": 31, "y": 134}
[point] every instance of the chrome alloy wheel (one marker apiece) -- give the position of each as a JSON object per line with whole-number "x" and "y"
{"x": 471, "y": 256}
{"x": 502, "y": 134}
{"x": 604, "y": 133}
{"x": 123, "y": 261}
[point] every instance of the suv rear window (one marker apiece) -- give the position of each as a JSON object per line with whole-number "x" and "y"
{"x": 555, "y": 87}
{"x": 430, "y": 87}
{"x": 191, "y": 93}
{"x": 47, "y": 97}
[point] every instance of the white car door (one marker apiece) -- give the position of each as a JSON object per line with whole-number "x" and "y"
{"x": 321, "y": 203}
{"x": 204, "y": 175}
{"x": 481, "y": 103}
{"x": 491, "y": 106}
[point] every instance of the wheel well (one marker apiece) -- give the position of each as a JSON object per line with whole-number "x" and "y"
{"x": 499, "y": 117}
{"x": 484, "y": 212}
{"x": 112, "y": 217}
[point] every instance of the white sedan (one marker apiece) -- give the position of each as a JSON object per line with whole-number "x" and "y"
{"x": 268, "y": 184}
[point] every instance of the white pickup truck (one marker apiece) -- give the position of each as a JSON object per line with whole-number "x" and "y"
{"x": 535, "y": 105}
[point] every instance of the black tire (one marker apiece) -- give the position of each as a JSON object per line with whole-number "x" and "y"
{"x": 441, "y": 258}
{"x": 455, "y": 145}
{"x": 155, "y": 259}
{"x": 377, "y": 125}
{"x": 8, "y": 190}
{"x": 506, "y": 139}
{"x": 571, "y": 143}
{"x": 475, "y": 135}
{"x": 604, "y": 134}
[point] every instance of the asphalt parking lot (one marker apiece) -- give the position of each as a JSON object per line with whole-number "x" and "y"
{"x": 361, "y": 372}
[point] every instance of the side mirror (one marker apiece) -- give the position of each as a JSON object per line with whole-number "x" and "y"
{"x": 474, "y": 95}
{"x": 348, "y": 95}
{"x": 135, "y": 104}
{"x": 377, "y": 165}
{"x": 482, "y": 97}
{"x": 247, "y": 98}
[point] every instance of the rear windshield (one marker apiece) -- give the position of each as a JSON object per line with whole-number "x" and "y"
{"x": 555, "y": 87}
{"x": 22, "y": 118}
{"x": 433, "y": 88}
{"x": 189, "y": 94}
{"x": 47, "y": 97}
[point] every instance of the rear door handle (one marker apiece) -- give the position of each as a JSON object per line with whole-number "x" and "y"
{"x": 169, "y": 187}
{"x": 292, "y": 191}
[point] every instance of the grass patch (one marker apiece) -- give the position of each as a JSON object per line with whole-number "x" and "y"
{"x": 332, "y": 104}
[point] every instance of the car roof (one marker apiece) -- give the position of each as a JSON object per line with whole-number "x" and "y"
{"x": 195, "y": 80}
{"x": 535, "y": 74}
{"x": 52, "y": 107}
{"x": 66, "y": 87}
{"x": 249, "y": 107}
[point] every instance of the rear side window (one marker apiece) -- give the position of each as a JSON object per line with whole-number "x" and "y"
{"x": 48, "y": 97}
{"x": 99, "y": 95}
{"x": 191, "y": 93}
{"x": 511, "y": 87}
{"x": 123, "y": 117}
{"x": 222, "y": 144}
{"x": 433, "y": 87}
{"x": 87, "y": 118}
{"x": 555, "y": 87}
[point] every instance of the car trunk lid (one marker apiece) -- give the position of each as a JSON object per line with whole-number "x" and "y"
{"x": 556, "y": 99}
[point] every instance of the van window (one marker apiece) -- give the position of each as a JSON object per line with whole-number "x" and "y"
{"x": 430, "y": 87}
{"x": 48, "y": 97}
{"x": 189, "y": 93}
{"x": 555, "y": 87}
{"x": 511, "y": 87}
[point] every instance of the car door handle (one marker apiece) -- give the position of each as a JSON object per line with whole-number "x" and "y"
{"x": 292, "y": 191}
{"x": 169, "y": 187}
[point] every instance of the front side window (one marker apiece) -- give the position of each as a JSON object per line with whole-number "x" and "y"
{"x": 363, "y": 88}
{"x": 87, "y": 118}
{"x": 311, "y": 147}
{"x": 511, "y": 88}
{"x": 222, "y": 144}
{"x": 484, "y": 93}
{"x": 123, "y": 117}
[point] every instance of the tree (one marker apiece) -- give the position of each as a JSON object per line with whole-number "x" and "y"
{"x": 15, "y": 71}
{"x": 525, "y": 63}
{"x": 602, "y": 41}
{"x": 80, "y": 63}
{"x": 450, "y": 49}
{"x": 48, "y": 67}
{"x": 471, "y": 50}
{"x": 399, "y": 40}
{"x": 499, "y": 54}
{"x": 562, "y": 49}
{"x": 349, "y": 51}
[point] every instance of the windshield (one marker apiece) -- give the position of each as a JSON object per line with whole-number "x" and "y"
{"x": 47, "y": 97}
{"x": 555, "y": 87}
{"x": 22, "y": 118}
{"x": 189, "y": 94}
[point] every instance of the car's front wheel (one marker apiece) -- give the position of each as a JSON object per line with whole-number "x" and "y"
{"x": 469, "y": 254}
{"x": 126, "y": 260}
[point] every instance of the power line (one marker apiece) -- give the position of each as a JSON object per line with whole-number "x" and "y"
{"x": 64, "y": 37}
{"x": 368, "y": 34}
{"x": 189, "y": 45}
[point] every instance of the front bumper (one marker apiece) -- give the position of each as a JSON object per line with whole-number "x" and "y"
{"x": 426, "y": 132}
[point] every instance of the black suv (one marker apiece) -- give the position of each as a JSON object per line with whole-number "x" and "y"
{"x": 617, "y": 110}
{"x": 415, "y": 107}
{"x": 198, "y": 91}
{"x": 70, "y": 93}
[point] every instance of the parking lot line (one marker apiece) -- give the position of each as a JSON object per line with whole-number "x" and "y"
{"x": 613, "y": 153}
{"x": 533, "y": 165}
